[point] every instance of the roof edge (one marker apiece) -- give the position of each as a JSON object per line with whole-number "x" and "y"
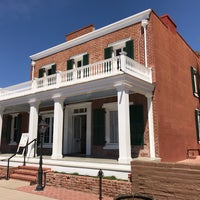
{"x": 94, "y": 34}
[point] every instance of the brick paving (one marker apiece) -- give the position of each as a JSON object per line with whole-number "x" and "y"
{"x": 60, "y": 193}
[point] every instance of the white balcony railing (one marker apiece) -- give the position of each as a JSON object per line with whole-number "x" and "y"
{"x": 98, "y": 70}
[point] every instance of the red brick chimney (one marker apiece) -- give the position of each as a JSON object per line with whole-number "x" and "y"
{"x": 166, "y": 19}
{"x": 80, "y": 32}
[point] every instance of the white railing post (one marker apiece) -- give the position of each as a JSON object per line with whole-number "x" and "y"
{"x": 34, "y": 85}
{"x": 123, "y": 61}
{"x": 58, "y": 79}
{"x": 115, "y": 64}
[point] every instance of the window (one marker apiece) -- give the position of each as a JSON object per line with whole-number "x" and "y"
{"x": 114, "y": 49}
{"x": 13, "y": 128}
{"x": 111, "y": 125}
{"x": 47, "y": 70}
{"x": 195, "y": 82}
{"x": 77, "y": 62}
{"x": 15, "y": 123}
{"x": 48, "y": 136}
{"x": 197, "y": 117}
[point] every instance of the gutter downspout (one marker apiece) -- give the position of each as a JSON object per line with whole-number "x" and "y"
{"x": 144, "y": 24}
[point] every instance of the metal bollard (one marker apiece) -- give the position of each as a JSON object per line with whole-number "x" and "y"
{"x": 100, "y": 175}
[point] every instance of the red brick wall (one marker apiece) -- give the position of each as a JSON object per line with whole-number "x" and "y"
{"x": 174, "y": 103}
{"x": 166, "y": 181}
{"x": 88, "y": 184}
{"x": 95, "y": 48}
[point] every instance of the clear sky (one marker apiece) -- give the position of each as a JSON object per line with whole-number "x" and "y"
{"x": 30, "y": 26}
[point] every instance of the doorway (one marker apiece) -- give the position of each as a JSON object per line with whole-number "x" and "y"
{"x": 77, "y": 129}
{"x": 79, "y": 134}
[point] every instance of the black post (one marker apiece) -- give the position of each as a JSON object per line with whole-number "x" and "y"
{"x": 40, "y": 170}
{"x": 100, "y": 175}
{"x": 25, "y": 150}
{"x": 7, "y": 176}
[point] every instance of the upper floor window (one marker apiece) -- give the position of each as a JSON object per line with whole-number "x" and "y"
{"x": 78, "y": 61}
{"x": 195, "y": 82}
{"x": 114, "y": 49}
{"x": 47, "y": 70}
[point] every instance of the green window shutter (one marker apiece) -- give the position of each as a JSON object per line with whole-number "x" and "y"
{"x": 130, "y": 49}
{"x": 41, "y": 73}
{"x": 108, "y": 52}
{"x": 197, "y": 118}
{"x": 19, "y": 121}
{"x": 8, "y": 128}
{"x": 137, "y": 124}
{"x": 53, "y": 69}
{"x": 70, "y": 64}
{"x": 85, "y": 59}
{"x": 99, "y": 127}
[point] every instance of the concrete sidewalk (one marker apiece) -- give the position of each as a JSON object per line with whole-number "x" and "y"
{"x": 15, "y": 189}
{"x": 8, "y": 191}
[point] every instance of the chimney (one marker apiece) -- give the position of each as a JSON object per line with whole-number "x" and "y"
{"x": 166, "y": 19}
{"x": 80, "y": 32}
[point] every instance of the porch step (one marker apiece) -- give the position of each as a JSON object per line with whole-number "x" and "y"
{"x": 27, "y": 173}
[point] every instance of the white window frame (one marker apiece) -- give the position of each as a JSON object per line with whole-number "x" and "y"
{"x": 118, "y": 45}
{"x": 44, "y": 115}
{"x": 77, "y": 58}
{"x": 197, "y": 115}
{"x": 47, "y": 67}
{"x": 108, "y": 108}
{"x": 12, "y": 142}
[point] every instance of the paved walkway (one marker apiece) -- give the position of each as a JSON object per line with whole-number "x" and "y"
{"x": 14, "y": 189}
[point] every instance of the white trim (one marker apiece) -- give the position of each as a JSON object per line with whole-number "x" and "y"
{"x": 109, "y": 107}
{"x": 12, "y": 133}
{"x": 118, "y": 43}
{"x": 94, "y": 34}
{"x": 48, "y": 66}
{"x": 78, "y": 56}
{"x": 68, "y": 126}
{"x": 151, "y": 126}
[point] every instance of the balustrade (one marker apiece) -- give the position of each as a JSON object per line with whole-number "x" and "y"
{"x": 101, "y": 69}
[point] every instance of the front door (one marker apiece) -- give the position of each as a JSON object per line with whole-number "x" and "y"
{"x": 79, "y": 134}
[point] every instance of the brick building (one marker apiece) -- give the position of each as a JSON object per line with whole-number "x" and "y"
{"x": 126, "y": 90}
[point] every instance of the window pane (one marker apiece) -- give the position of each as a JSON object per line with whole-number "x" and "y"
{"x": 113, "y": 127}
{"x": 79, "y": 63}
{"x": 118, "y": 51}
{"x": 46, "y": 134}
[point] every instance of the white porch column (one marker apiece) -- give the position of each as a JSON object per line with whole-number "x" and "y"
{"x": 57, "y": 129}
{"x": 33, "y": 125}
{"x": 151, "y": 126}
{"x": 1, "y": 122}
{"x": 124, "y": 124}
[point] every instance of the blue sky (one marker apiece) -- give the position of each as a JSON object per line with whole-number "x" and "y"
{"x": 30, "y": 26}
